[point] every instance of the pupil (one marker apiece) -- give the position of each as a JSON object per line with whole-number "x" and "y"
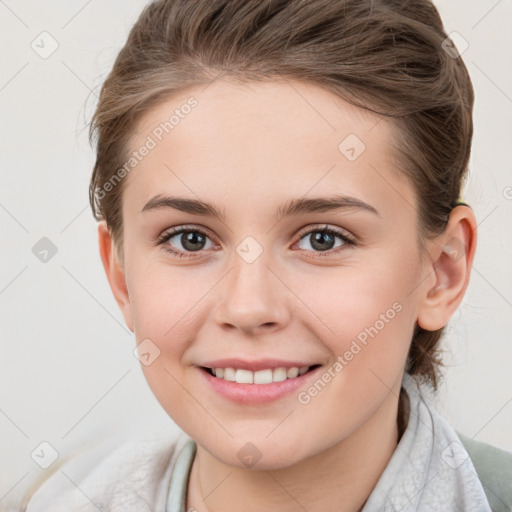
{"x": 189, "y": 241}
{"x": 320, "y": 239}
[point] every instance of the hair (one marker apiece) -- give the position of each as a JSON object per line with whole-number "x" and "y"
{"x": 386, "y": 56}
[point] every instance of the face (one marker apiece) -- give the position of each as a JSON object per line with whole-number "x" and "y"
{"x": 311, "y": 262}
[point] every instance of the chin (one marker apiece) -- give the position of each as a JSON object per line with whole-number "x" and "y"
{"x": 258, "y": 455}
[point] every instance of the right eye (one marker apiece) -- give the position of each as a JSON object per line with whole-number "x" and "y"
{"x": 191, "y": 239}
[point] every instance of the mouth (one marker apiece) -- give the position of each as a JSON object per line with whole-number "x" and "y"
{"x": 263, "y": 376}
{"x": 267, "y": 382}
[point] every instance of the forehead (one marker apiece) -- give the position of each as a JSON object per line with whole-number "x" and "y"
{"x": 263, "y": 139}
{"x": 292, "y": 110}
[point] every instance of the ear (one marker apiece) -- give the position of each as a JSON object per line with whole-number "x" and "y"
{"x": 451, "y": 259}
{"x": 114, "y": 268}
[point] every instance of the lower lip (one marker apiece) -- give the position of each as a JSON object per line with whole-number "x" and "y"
{"x": 256, "y": 393}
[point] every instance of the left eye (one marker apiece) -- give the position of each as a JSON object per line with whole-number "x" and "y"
{"x": 324, "y": 239}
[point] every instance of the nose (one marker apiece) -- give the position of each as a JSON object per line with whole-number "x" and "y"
{"x": 252, "y": 298}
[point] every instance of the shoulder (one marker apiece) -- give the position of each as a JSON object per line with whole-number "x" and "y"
{"x": 494, "y": 468}
{"x": 129, "y": 475}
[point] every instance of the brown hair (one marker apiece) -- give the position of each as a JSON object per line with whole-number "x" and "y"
{"x": 385, "y": 56}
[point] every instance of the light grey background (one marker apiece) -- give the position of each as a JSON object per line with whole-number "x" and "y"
{"x": 68, "y": 375}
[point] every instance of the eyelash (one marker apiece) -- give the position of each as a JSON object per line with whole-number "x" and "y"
{"x": 347, "y": 241}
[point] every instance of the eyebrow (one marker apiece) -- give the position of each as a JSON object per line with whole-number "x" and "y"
{"x": 299, "y": 206}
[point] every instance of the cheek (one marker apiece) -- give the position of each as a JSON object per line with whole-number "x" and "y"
{"x": 350, "y": 299}
{"x": 366, "y": 315}
{"x": 163, "y": 299}
{"x": 370, "y": 320}
{"x": 169, "y": 306}
{"x": 163, "y": 312}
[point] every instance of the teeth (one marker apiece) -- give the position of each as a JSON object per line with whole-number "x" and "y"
{"x": 293, "y": 372}
{"x": 244, "y": 376}
{"x": 229, "y": 374}
{"x": 261, "y": 376}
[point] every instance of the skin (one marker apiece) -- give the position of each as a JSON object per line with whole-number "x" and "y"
{"x": 248, "y": 149}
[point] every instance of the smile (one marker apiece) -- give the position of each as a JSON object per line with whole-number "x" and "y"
{"x": 265, "y": 376}
{"x": 258, "y": 387}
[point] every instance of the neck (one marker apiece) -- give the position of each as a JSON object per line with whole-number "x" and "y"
{"x": 340, "y": 478}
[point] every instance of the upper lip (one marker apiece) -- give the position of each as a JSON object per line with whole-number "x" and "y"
{"x": 260, "y": 364}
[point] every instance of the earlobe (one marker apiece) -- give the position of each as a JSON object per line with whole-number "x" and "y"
{"x": 114, "y": 269}
{"x": 452, "y": 258}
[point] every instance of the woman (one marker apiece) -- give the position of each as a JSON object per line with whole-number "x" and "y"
{"x": 277, "y": 186}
